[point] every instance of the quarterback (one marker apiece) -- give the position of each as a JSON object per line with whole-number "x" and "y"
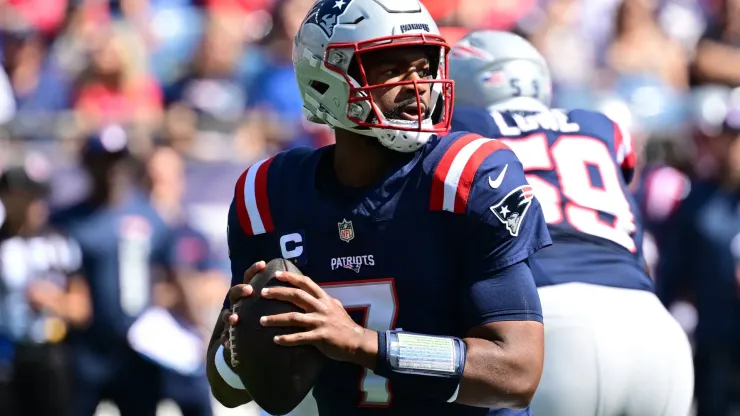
{"x": 407, "y": 236}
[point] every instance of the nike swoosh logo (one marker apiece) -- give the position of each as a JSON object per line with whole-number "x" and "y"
{"x": 496, "y": 183}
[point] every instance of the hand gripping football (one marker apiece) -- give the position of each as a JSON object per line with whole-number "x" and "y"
{"x": 278, "y": 378}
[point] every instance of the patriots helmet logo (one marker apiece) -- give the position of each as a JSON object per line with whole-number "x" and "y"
{"x": 513, "y": 207}
{"x": 325, "y": 14}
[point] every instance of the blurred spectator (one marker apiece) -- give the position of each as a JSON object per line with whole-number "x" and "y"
{"x": 125, "y": 252}
{"x": 640, "y": 46}
{"x": 180, "y": 128}
{"x": 40, "y": 85}
{"x": 473, "y": 14}
{"x": 45, "y": 16}
{"x": 274, "y": 94}
{"x": 7, "y": 99}
{"x": 495, "y": 15}
{"x": 41, "y": 294}
{"x": 196, "y": 290}
{"x": 452, "y": 34}
{"x": 718, "y": 52}
{"x": 170, "y": 29}
{"x": 212, "y": 85}
{"x": 700, "y": 257}
{"x": 441, "y": 10}
{"x": 556, "y": 33}
{"x": 709, "y": 105}
{"x": 244, "y": 7}
{"x": 117, "y": 87}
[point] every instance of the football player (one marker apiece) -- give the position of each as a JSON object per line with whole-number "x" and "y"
{"x": 611, "y": 347}
{"x": 397, "y": 227}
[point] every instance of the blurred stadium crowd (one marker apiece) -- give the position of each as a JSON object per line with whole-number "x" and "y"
{"x": 177, "y": 97}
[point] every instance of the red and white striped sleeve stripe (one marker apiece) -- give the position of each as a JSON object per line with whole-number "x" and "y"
{"x": 528, "y": 193}
{"x": 453, "y": 178}
{"x": 624, "y": 148}
{"x": 252, "y": 205}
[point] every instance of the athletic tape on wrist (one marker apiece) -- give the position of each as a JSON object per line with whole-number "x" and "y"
{"x": 430, "y": 365}
{"x": 226, "y": 373}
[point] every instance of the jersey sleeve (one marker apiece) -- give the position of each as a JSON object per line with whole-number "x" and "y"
{"x": 243, "y": 251}
{"x": 250, "y": 218}
{"x": 501, "y": 226}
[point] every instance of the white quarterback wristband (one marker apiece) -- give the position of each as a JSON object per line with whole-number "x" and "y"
{"x": 226, "y": 373}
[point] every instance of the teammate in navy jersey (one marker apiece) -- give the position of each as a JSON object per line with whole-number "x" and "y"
{"x": 611, "y": 347}
{"x": 395, "y": 227}
{"x": 123, "y": 243}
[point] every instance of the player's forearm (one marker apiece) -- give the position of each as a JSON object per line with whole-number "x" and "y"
{"x": 500, "y": 375}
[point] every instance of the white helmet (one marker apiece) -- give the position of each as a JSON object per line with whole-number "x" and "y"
{"x": 499, "y": 70}
{"x": 334, "y": 36}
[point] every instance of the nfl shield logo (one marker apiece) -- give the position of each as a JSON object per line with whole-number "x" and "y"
{"x": 346, "y": 231}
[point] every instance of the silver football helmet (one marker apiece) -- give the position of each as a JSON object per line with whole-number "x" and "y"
{"x": 332, "y": 39}
{"x": 499, "y": 70}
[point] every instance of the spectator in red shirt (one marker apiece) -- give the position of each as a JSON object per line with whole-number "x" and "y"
{"x": 44, "y": 16}
{"x": 117, "y": 88}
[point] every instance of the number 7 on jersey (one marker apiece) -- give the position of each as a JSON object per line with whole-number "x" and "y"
{"x": 377, "y": 299}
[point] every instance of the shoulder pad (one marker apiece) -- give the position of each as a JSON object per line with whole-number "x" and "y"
{"x": 474, "y": 120}
{"x": 621, "y": 139}
{"x": 623, "y": 147}
{"x": 250, "y": 195}
{"x": 453, "y": 176}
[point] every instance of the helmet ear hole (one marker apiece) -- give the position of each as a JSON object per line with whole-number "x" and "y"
{"x": 319, "y": 86}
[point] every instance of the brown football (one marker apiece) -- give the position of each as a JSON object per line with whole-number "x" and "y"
{"x": 278, "y": 378}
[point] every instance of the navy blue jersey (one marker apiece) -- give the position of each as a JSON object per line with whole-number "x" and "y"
{"x": 700, "y": 257}
{"x": 579, "y": 164}
{"x": 120, "y": 246}
{"x": 415, "y": 252}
